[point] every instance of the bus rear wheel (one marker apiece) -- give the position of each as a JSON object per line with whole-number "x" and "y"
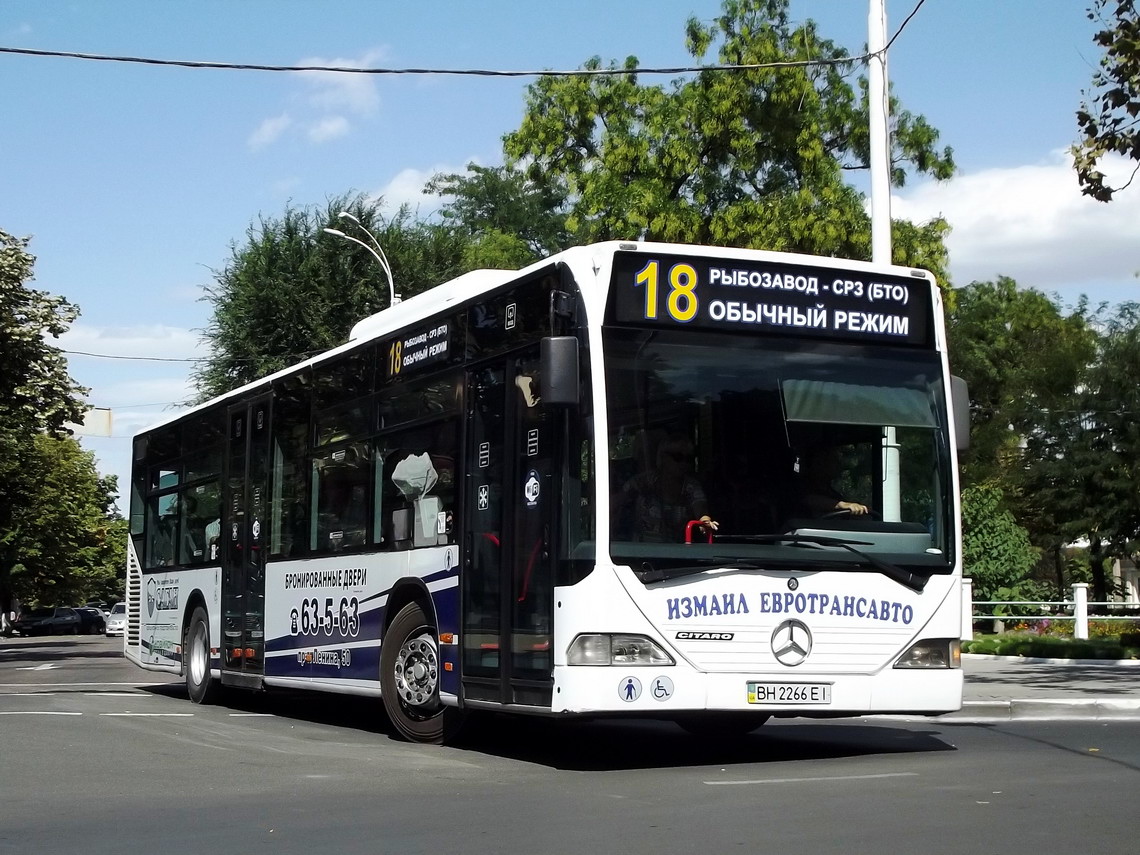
{"x": 199, "y": 685}
{"x": 409, "y": 679}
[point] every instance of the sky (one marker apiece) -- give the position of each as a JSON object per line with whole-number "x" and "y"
{"x": 134, "y": 182}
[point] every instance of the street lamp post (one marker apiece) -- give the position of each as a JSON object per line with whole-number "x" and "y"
{"x": 375, "y": 248}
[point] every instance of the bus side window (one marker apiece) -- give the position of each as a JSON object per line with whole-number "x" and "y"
{"x": 201, "y": 509}
{"x": 415, "y": 486}
{"x": 340, "y": 496}
{"x": 162, "y": 530}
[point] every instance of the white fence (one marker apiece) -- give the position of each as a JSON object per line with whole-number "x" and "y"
{"x": 1075, "y": 610}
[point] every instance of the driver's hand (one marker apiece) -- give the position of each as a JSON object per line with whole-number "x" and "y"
{"x": 854, "y": 508}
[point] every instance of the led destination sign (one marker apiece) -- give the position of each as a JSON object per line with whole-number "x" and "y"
{"x": 419, "y": 350}
{"x": 821, "y": 302}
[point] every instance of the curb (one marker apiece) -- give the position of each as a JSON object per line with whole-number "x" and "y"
{"x": 1031, "y": 660}
{"x": 1047, "y": 709}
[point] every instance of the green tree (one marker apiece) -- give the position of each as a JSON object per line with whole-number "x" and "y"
{"x": 754, "y": 158}
{"x": 511, "y": 218}
{"x": 293, "y": 290}
{"x": 1084, "y": 463}
{"x": 1023, "y": 358}
{"x": 59, "y": 551}
{"x": 39, "y": 396}
{"x": 1109, "y": 118}
{"x": 996, "y": 552}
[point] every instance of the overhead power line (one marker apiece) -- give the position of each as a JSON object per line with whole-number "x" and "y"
{"x": 464, "y": 72}
{"x": 135, "y": 358}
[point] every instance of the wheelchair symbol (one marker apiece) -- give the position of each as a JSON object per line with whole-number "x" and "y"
{"x": 662, "y": 689}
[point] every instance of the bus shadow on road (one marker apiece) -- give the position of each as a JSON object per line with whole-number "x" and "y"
{"x": 599, "y": 744}
{"x": 357, "y": 713}
{"x": 593, "y": 746}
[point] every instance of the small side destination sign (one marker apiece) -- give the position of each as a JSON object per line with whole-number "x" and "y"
{"x": 769, "y": 297}
{"x": 419, "y": 350}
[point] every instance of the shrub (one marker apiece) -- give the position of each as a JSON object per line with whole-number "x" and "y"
{"x": 1045, "y": 647}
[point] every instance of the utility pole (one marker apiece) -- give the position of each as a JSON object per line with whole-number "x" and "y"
{"x": 880, "y": 133}
{"x": 879, "y": 115}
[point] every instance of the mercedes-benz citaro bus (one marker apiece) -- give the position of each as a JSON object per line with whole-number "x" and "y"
{"x": 701, "y": 484}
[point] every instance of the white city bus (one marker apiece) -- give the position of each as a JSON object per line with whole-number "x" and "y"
{"x": 491, "y": 497}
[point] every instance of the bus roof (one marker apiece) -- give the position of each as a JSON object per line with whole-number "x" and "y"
{"x": 471, "y": 285}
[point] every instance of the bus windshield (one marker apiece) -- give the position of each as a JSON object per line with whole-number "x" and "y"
{"x": 805, "y": 453}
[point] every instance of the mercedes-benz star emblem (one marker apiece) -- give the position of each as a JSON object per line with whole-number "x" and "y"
{"x": 791, "y": 642}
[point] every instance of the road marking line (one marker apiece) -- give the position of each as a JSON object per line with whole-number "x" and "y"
{"x": 27, "y": 695}
{"x": 251, "y": 715}
{"x": 36, "y": 712}
{"x": 148, "y": 714}
{"x": 813, "y": 780}
{"x": 117, "y": 695}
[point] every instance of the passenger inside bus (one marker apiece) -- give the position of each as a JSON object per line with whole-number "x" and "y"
{"x": 659, "y": 503}
{"x": 819, "y": 467}
{"x": 342, "y": 520}
{"x": 742, "y": 493}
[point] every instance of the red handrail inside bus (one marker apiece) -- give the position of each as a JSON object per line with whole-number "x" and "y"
{"x": 689, "y": 530}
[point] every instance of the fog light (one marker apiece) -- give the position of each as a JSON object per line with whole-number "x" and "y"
{"x": 606, "y": 649}
{"x": 932, "y": 653}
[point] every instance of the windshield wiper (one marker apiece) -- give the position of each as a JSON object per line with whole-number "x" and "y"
{"x": 892, "y": 571}
{"x": 904, "y": 577}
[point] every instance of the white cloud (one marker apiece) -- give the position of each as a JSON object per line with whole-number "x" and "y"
{"x": 153, "y": 340}
{"x": 139, "y": 392}
{"x": 269, "y": 131}
{"x": 329, "y": 128}
{"x": 336, "y": 95}
{"x": 145, "y": 368}
{"x": 407, "y": 188}
{"x": 335, "y": 91}
{"x": 1032, "y": 223}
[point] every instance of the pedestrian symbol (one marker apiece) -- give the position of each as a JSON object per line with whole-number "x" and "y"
{"x": 629, "y": 689}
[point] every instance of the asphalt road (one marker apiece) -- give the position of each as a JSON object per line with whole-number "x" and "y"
{"x": 98, "y": 756}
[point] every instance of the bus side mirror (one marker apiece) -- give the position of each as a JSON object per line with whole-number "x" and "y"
{"x": 960, "y": 400}
{"x": 558, "y": 356}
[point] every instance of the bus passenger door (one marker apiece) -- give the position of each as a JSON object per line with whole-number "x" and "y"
{"x": 243, "y": 534}
{"x": 510, "y": 499}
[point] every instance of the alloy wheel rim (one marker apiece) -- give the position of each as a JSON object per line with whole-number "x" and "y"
{"x": 417, "y": 671}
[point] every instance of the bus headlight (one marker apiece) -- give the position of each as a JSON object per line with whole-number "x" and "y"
{"x": 932, "y": 653}
{"x": 613, "y": 649}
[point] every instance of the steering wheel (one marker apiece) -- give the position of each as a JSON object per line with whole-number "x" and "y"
{"x": 846, "y": 512}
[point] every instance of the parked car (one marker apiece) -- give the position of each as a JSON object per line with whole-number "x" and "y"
{"x": 91, "y": 620}
{"x": 48, "y": 620}
{"x": 100, "y": 605}
{"x": 117, "y": 620}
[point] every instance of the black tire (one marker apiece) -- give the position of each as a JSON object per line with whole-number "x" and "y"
{"x": 721, "y": 725}
{"x": 409, "y": 679}
{"x": 200, "y": 686}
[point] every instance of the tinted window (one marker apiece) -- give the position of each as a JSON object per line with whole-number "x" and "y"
{"x": 341, "y": 491}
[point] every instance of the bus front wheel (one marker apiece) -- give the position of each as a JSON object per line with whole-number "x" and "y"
{"x": 409, "y": 679}
{"x": 199, "y": 685}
